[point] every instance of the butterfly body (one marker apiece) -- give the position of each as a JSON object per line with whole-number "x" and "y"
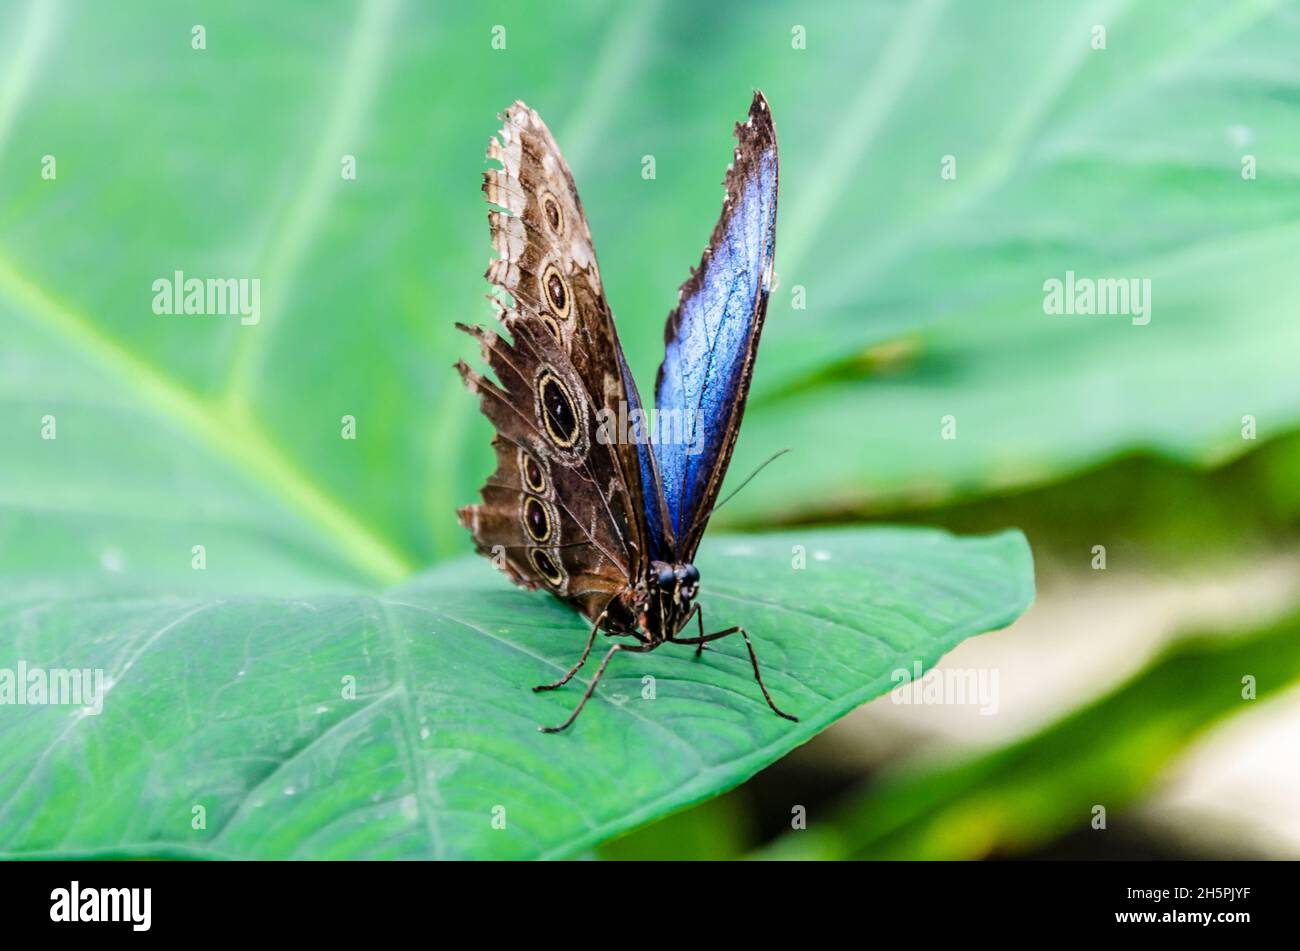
{"x": 609, "y": 524}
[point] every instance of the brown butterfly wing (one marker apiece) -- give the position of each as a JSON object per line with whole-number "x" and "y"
{"x": 561, "y": 510}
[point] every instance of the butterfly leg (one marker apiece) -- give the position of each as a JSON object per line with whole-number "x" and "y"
{"x": 581, "y": 660}
{"x": 699, "y": 617}
{"x": 753, "y": 659}
{"x": 591, "y": 687}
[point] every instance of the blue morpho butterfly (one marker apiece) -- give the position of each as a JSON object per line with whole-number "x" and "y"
{"x": 608, "y": 521}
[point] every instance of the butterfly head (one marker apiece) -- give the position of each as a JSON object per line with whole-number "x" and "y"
{"x": 665, "y": 599}
{"x": 680, "y": 582}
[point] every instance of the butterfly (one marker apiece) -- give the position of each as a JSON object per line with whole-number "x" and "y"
{"x": 605, "y": 515}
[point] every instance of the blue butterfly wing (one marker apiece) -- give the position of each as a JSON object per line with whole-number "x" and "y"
{"x": 710, "y": 343}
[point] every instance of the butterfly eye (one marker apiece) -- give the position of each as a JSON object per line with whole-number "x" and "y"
{"x": 667, "y": 578}
{"x": 692, "y": 574}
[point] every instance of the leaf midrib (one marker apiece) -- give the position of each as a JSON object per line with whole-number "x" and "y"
{"x": 230, "y": 434}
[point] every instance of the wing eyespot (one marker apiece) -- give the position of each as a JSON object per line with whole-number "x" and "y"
{"x": 530, "y": 470}
{"x": 537, "y": 520}
{"x": 552, "y": 213}
{"x": 556, "y": 292}
{"x": 551, "y": 326}
{"x": 557, "y": 409}
{"x": 546, "y": 567}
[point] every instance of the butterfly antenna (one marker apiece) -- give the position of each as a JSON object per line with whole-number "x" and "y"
{"x": 732, "y": 494}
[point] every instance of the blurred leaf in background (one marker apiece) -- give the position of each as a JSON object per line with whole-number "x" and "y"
{"x": 1120, "y": 162}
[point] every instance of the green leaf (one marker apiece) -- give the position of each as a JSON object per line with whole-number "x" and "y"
{"x": 235, "y": 704}
{"x": 1025, "y": 795}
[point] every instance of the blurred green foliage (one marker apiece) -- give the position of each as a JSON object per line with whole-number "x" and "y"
{"x": 1120, "y": 162}
{"x": 1024, "y": 795}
